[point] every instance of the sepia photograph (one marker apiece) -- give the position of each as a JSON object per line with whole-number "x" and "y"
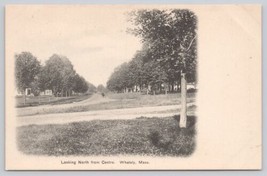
{"x": 115, "y": 87}
{"x": 131, "y": 105}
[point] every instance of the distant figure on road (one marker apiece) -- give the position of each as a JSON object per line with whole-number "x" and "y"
{"x": 103, "y": 94}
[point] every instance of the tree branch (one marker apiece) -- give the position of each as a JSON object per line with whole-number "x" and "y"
{"x": 189, "y": 44}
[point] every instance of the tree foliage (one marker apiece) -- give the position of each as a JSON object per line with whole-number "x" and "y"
{"x": 91, "y": 88}
{"x": 27, "y": 68}
{"x": 170, "y": 36}
{"x": 101, "y": 88}
{"x": 57, "y": 74}
{"x": 119, "y": 79}
{"x": 80, "y": 84}
{"x": 169, "y": 48}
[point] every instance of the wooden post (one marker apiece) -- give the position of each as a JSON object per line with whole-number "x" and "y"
{"x": 183, "y": 117}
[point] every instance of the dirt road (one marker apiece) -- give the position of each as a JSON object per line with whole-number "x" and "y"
{"x": 26, "y": 114}
{"x": 95, "y": 99}
{"x": 128, "y": 113}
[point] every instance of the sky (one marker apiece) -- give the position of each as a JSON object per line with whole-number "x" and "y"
{"x": 93, "y": 38}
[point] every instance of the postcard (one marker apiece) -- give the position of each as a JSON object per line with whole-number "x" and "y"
{"x": 133, "y": 87}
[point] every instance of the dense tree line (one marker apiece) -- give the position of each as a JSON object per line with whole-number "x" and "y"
{"x": 57, "y": 74}
{"x": 169, "y": 49}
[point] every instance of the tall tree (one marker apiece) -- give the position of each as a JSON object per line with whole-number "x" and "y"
{"x": 101, "y": 88}
{"x": 136, "y": 72}
{"x": 27, "y": 68}
{"x": 58, "y": 75}
{"x": 154, "y": 75}
{"x": 91, "y": 88}
{"x": 80, "y": 84}
{"x": 119, "y": 80}
{"x": 170, "y": 36}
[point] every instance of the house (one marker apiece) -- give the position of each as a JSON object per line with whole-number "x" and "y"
{"x": 28, "y": 92}
{"x": 46, "y": 92}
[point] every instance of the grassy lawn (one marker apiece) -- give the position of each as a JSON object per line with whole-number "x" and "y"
{"x": 44, "y": 100}
{"x": 140, "y": 136}
{"x": 140, "y": 101}
{"x": 161, "y": 99}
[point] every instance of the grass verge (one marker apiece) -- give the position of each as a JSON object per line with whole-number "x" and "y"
{"x": 140, "y": 136}
{"x": 45, "y": 100}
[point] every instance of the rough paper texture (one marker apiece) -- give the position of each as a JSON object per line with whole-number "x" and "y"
{"x": 229, "y": 119}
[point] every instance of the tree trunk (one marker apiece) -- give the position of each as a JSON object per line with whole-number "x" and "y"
{"x": 179, "y": 84}
{"x": 166, "y": 88}
{"x": 183, "y": 117}
{"x": 24, "y": 101}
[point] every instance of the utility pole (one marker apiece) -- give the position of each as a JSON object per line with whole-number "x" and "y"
{"x": 183, "y": 115}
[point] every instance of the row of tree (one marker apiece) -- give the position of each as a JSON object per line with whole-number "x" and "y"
{"x": 57, "y": 75}
{"x": 169, "y": 49}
